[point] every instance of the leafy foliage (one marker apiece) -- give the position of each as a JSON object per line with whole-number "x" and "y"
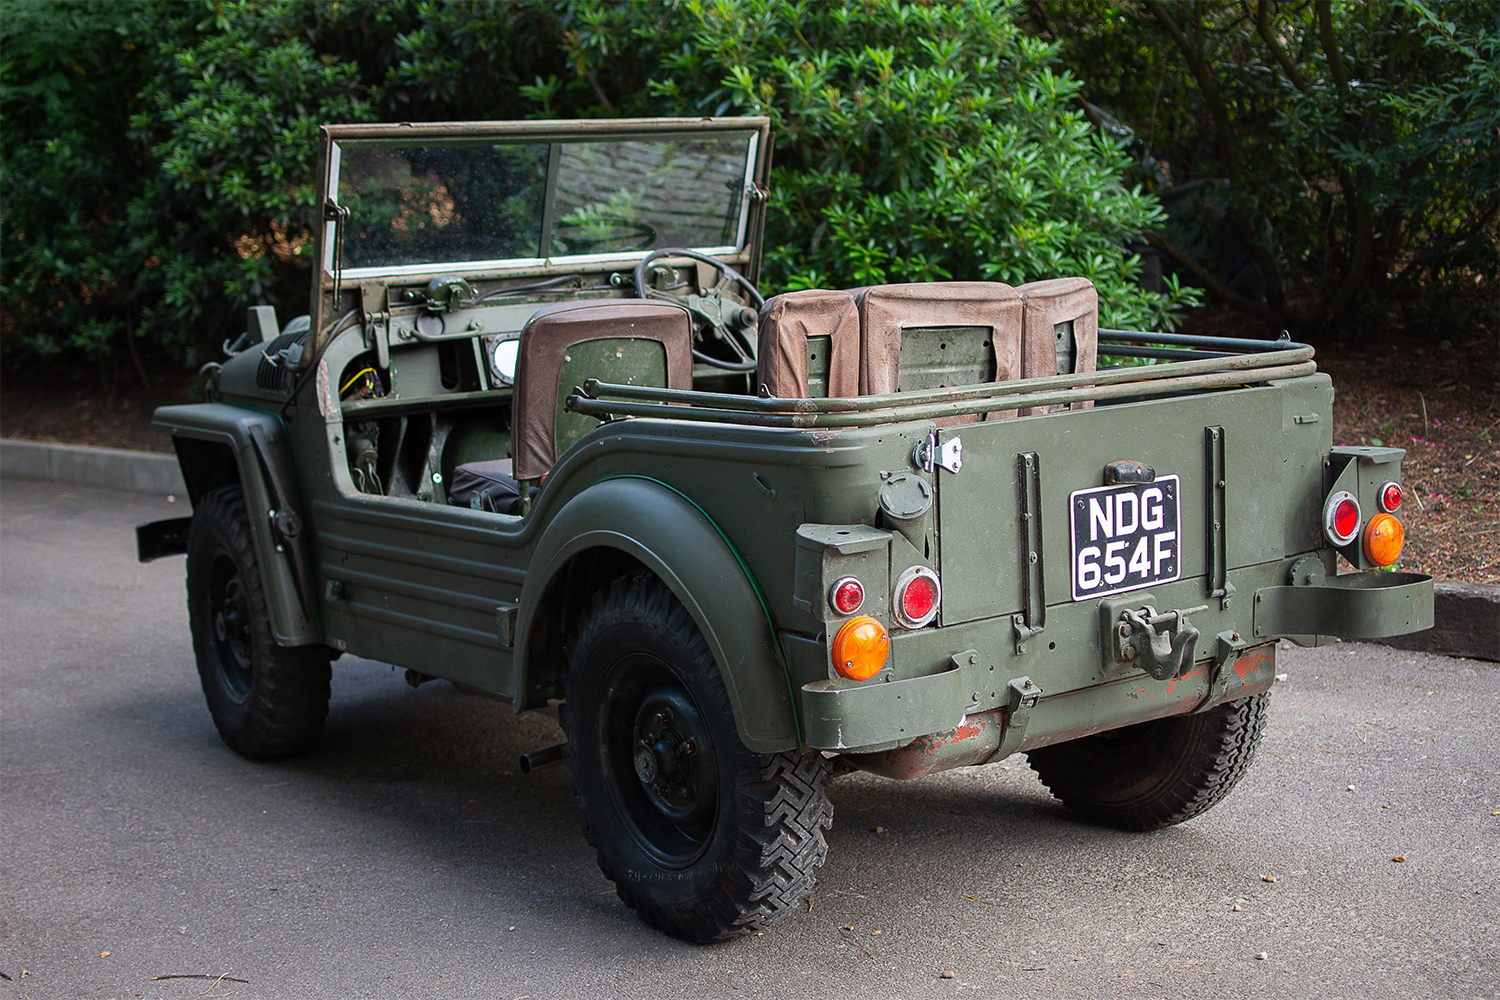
{"x": 1348, "y": 148}
{"x": 159, "y": 155}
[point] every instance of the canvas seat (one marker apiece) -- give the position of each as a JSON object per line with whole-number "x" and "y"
{"x": 808, "y": 345}
{"x": 1060, "y": 329}
{"x": 936, "y": 334}
{"x": 621, "y": 341}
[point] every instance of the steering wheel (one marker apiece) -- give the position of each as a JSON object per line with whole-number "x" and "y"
{"x": 725, "y": 319}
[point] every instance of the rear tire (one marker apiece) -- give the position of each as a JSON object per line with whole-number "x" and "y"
{"x": 1155, "y": 774}
{"x": 266, "y": 700}
{"x": 704, "y": 838}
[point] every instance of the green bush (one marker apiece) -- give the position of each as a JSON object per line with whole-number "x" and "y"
{"x": 169, "y": 183}
{"x": 1352, "y": 146}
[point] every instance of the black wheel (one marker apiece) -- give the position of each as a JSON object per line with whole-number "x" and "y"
{"x": 705, "y": 839}
{"x": 1155, "y": 774}
{"x": 266, "y": 700}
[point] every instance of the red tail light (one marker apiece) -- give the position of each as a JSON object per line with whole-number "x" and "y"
{"x": 847, "y": 595}
{"x": 1390, "y": 498}
{"x": 917, "y": 596}
{"x": 1341, "y": 518}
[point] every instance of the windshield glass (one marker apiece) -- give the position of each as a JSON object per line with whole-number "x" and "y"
{"x": 466, "y": 203}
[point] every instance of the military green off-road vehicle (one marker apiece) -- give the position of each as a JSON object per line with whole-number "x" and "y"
{"x": 542, "y": 437}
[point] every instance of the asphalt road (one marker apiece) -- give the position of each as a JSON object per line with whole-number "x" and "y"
{"x": 407, "y": 857}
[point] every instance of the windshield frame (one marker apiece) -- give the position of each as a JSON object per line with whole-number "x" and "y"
{"x": 555, "y": 134}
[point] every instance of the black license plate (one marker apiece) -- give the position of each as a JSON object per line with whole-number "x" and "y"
{"x": 1125, "y": 537}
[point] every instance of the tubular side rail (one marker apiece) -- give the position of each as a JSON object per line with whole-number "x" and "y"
{"x": 1251, "y": 365}
{"x": 606, "y": 401}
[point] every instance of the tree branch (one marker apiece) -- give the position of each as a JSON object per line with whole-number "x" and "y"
{"x": 1203, "y": 274}
{"x": 1331, "y": 46}
{"x": 1263, "y": 27}
{"x": 1203, "y": 74}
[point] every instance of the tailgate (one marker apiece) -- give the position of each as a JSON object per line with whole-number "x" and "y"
{"x": 1256, "y": 454}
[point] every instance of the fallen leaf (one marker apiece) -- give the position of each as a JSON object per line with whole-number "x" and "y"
{"x": 1268, "y": 878}
{"x": 875, "y": 934}
{"x": 848, "y": 927}
{"x": 1399, "y": 858}
{"x": 879, "y": 829}
{"x": 104, "y": 954}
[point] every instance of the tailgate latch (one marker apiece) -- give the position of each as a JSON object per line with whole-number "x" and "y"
{"x": 949, "y": 455}
{"x": 1161, "y": 644}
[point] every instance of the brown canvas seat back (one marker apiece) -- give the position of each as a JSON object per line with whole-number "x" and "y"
{"x": 1060, "y": 320}
{"x": 635, "y": 342}
{"x": 809, "y": 345}
{"x": 938, "y": 334}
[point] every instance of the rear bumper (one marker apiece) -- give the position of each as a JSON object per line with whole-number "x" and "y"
{"x": 1352, "y": 606}
{"x": 1083, "y": 696}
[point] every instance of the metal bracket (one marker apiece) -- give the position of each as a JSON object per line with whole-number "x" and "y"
{"x": 1031, "y": 621}
{"x": 924, "y": 452}
{"x": 951, "y": 455}
{"x": 1021, "y": 696}
{"x": 506, "y": 614}
{"x": 1216, "y": 517}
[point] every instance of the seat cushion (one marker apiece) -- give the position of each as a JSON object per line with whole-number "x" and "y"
{"x": 485, "y": 486}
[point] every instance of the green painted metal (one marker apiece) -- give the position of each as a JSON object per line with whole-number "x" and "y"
{"x": 233, "y": 428}
{"x": 950, "y": 356}
{"x": 656, "y": 525}
{"x": 1354, "y": 606}
{"x": 635, "y": 362}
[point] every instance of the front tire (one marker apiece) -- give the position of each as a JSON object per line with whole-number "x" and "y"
{"x": 266, "y": 700}
{"x": 1155, "y": 774}
{"x": 704, "y": 838}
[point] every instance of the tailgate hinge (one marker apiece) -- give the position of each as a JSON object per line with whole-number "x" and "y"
{"x": 1031, "y": 621}
{"x": 1215, "y": 516}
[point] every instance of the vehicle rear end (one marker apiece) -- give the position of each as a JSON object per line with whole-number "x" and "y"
{"x": 970, "y": 582}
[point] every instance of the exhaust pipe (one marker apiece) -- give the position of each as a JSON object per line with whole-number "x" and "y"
{"x": 541, "y": 758}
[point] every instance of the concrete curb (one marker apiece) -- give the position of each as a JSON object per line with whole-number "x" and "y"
{"x": 1467, "y": 615}
{"x": 119, "y": 468}
{"x": 1466, "y": 622}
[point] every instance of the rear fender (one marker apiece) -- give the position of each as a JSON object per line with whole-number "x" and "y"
{"x": 218, "y": 445}
{"x": 652, "y": 525}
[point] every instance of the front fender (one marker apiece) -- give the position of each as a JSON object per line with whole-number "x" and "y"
{"x": 674, "y": 539}
{"x": 204, "y": 434}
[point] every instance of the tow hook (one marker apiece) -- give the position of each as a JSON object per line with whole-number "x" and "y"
{"x": 1161, "y": 644}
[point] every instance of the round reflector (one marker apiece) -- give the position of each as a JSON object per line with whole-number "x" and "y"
{"x": 917, "y": 596}
{"x": 1390, "y": 497}
{"x": 860, "y": 648}
{"x": 847, "y": 595}
{"x": 1384, "y": 537}
{"x": 1341, "y": 518}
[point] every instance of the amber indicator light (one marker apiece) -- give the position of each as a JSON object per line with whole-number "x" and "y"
{"x": 1384, "y": 537}
{"x": 860, "y": 649}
